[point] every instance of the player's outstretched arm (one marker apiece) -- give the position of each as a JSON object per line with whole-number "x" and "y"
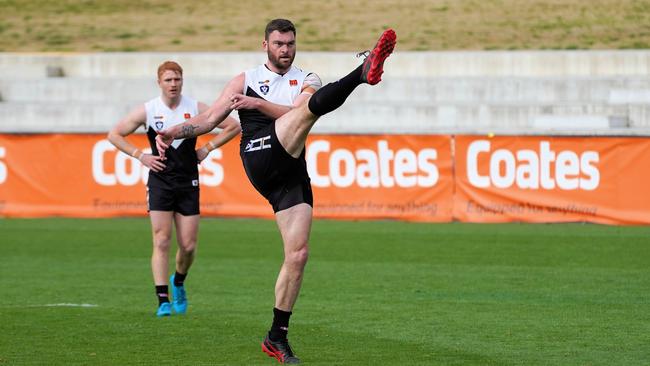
{"x": 241, "y": 101}
{"x": 275, "y": 111}
{"x": 203, "y": 122}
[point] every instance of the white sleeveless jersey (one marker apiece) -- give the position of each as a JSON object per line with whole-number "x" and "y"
{"x": 160, "y": 117}
{"x": 261, "y": 82}
{"x": 276, "y": 88}
{"x": 181, "y": 165}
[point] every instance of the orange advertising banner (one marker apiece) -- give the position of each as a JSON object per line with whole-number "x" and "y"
{"x": 86, "y": 176}
{"x": 405, "y": 177}
{"x": 353, "y": 177}
{"x": 552, "y": 179}
{"x": 429, "y": 178}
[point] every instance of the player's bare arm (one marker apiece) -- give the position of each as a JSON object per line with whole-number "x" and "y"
{"x": 203, "y": 122}
{"x": 126, "y": 126}
{"x": 275, "y": 111}
{"x": 229, "y": 129}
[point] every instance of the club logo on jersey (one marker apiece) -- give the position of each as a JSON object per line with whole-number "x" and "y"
{"x": 195, "y": 182}
{"x": 187, "y": 116}
{"x": 293, "y": 82}
{"x": 264, "y": 86}
{"x": 258, "y": 144}
{"x": 160, "y": 125}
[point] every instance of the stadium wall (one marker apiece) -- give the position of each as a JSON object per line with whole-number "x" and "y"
{"x": 505, "y": 92}
{"x": 539, "y": 136}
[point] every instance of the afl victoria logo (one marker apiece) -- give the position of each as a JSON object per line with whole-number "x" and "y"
{"x": 264, "y": 89}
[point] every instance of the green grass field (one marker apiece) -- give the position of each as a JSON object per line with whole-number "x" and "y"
{"x": 375, "y": 293}
{"x": 340, "y": 25}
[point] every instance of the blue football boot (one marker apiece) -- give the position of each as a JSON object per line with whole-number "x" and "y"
{"x": 179, "y": 297}
{"x": 165, "y": 309}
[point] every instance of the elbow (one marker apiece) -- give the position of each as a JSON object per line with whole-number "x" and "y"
{"x": 212, "y": 120}
{"x": 114, "y": 137}
{"x": 233, "y": 130}
{"x": 231, "y": 126}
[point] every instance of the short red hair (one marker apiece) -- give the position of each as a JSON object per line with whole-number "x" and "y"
{"x": 169, "y": 65}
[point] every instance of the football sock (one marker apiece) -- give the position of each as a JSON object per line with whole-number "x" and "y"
{"x": 162, "y": 293}
{"x": 179, "y": 279}
{"x": 332, "y": 95}
{"x": 280, "y": 325}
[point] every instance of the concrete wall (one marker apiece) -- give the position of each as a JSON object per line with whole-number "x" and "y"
{"x": 564, "y": 92}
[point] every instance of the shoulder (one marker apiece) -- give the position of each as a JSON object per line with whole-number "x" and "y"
{"x": 257, "y": 70}
{"x": 190, "y": 103}
{"x": 138, "y": 114}
{"x": 152, "y": 102}
{"x": 295, "y": 70}
{"x": 312, "y": 80}
{"x": 238, "y": 81}
{"x": 150, "y": 107}
{"x": 186, "y": 99}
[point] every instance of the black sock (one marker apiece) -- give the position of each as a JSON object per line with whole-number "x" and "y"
{"x": 280, "y": 325}
{"x": 179, "y": 279}
{"x": 162, "y": 293}
{"x": 332, "y": 95}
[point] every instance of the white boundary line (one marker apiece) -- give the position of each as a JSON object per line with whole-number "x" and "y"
{"x": 66, "y": 305}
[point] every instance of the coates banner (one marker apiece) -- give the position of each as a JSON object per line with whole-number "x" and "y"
{"x": 86, "y": 176}
{"x": 81, "y": 175}
{"x": 552, "y": 179}
{"x": 403, "y": 177}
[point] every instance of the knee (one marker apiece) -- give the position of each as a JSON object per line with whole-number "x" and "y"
{"x": 297, "y": 258}
{"x": 161, "y": 240}
{"x": 187, "y": 246}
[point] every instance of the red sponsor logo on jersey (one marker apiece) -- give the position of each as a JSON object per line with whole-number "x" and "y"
{"x": 187, "y": 116}
{"x": 293, "y": 82}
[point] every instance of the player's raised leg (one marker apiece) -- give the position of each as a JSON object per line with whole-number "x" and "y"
{"x": 373, "y": 65}
{"x": 293, "y": 127}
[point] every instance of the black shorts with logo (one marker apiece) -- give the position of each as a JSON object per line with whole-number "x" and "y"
{"x": 282, "y": 179}
{"x": 162, "y": 197}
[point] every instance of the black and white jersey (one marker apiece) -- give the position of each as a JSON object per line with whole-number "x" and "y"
{"x": 275, "y": 88}
{"x": 181, "y": 170}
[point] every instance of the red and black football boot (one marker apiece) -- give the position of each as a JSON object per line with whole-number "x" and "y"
{"x": 281, "y": 350}
{"x": 373, "y": 66}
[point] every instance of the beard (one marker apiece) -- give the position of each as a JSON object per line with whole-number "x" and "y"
{"x": 282, "y": 64}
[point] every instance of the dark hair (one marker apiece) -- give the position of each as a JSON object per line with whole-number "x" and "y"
{"x": 280, "y": 25}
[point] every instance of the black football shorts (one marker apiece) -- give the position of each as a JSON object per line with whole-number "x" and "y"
{"x": 184, "y": 201}
{"x": 279, "y": 177}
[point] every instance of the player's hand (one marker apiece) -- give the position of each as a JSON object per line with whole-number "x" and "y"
{"x": 152, "y": 162}
{"x": 201, "y": 154}
{"x": 240, "y": 101}
{"x": 163, "y": 140}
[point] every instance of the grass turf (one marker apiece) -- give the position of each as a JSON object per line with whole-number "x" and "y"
{"x": 379, "y": 293}
{"x": 352, "y": 26}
